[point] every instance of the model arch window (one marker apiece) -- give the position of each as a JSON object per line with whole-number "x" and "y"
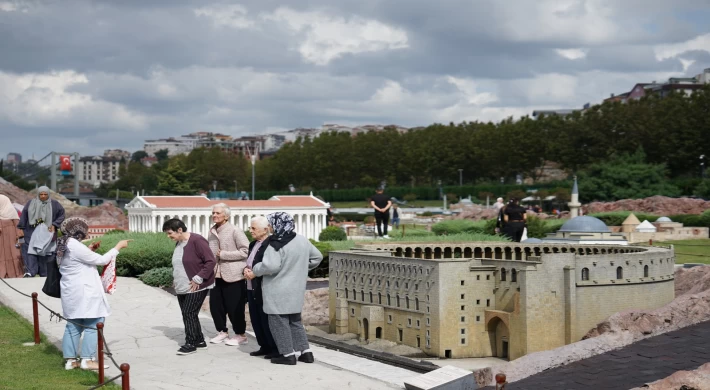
{"x": 619, "y": 273}
{"x": 502, "y": 275}
{"x": 585, "y": 273}
{"x": 513, "y": 275}
{"x": 645, "y": 271}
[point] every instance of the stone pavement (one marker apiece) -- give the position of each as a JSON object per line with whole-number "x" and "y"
{"x": 145, "y": 330}
{"x": 632, "y": 366}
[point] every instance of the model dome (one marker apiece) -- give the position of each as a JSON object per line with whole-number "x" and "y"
{"x": 584, "y": 224}
{"x": 664, "y": 219}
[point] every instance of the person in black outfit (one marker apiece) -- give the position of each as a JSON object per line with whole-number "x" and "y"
{"x": 515, "y": 218}
{"x": 381, "y": 203}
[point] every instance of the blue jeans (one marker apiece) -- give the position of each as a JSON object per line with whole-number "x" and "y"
{"x": 72, "y": 334}
{"x": 395, "y": 222}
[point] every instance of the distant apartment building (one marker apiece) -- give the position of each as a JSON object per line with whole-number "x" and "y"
{"x": 14, "y": 158}
{"x": 117, "y": 154}
{"x": 685, "y": 85}
{"x": 98, "y": 169}
{"x": 174, "y": 146}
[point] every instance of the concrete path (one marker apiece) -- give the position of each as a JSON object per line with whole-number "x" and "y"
{"x": 632, "y": 366}
{"x": 145, "y": 330}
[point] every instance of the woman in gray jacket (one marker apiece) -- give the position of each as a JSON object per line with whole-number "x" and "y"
{"x": 285, "y": 268}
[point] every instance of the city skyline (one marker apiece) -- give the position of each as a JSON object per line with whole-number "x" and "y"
{"x": 110, "y": 74}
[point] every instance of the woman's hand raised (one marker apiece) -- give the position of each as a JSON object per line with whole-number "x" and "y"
{"x": 122, "y": 244}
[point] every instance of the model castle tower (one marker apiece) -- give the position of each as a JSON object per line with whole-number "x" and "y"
{"x": 574, "y": 204}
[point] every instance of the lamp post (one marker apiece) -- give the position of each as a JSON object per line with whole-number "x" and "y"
{"x": 253, "y": 175}
{"x": 235, "y": 187}
{"x": 214, "y": 185}
{"x": 702, "y": 166}
{"x": 460, "y": 177}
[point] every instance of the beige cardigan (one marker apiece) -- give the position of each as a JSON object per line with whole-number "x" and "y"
{"x": 234, "y": 247}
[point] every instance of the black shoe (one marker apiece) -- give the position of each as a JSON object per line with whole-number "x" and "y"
{"x": 187, "y": 349}
{"x": 287, "y": 360}
{"x": 201, "y": 344}
{"x": 306, "y": 357}
{"x": 272, "y": 355}
{"x": 260, "y": 352}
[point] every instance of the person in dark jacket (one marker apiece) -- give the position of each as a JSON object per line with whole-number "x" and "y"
{"x": 193, "y": 276}
{"x": 259, "y": 320}
{"x": 515, "y": 218}
{"x": 40, "y": 213}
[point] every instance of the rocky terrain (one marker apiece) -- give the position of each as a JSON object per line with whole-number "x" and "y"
{"x": 105, "y": 214}
{"x": 691, "y": 306}
{"x": 658, "y": 205}
{"x": 683, "y": 380}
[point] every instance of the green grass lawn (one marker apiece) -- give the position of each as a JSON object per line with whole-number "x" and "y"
{"x": 36, "y": 367}
{"x": 689, "y": 251}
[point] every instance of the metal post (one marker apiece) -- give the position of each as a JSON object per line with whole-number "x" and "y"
{"x": 125, "y": 379}
{"x": 100, "y": 351}
{"x": 53, "y": 172}
{"x": 76, "y": 176}
{"x": 35, "y": 317}
{"x": 460, "y": 177}
{"x": 235, "y": 188}
{"x": 253, "y": 176}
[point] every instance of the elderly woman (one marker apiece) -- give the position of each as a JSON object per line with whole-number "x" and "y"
{"x": 193, "y": 276}
{"x": 10, "y": 257}
{"x": 259, "y": 320}
{"x": 230, "y": 247}
{"x": 83, "y": 300}
{"x": 40, "y": 213}
{"x": 284, "y": 268}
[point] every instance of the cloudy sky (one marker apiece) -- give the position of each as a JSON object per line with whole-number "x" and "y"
{"x": 89, "y": 75}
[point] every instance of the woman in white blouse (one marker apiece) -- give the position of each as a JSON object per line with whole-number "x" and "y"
{"x": 83, "y": 299}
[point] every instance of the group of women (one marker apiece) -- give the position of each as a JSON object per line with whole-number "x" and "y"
{"x": 269, "y": 273}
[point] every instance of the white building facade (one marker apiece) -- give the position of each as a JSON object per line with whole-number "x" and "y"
{"x": 148, "y": 213}
{"x": 98, "y": 169}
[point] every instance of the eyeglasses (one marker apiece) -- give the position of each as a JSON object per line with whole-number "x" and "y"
{"x": 216, "y": 213}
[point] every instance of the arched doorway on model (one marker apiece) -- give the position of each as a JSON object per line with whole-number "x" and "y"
{"x": 499, "y": 336}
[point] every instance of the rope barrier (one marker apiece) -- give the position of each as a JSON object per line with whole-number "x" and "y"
{"x": 123, "y": 367}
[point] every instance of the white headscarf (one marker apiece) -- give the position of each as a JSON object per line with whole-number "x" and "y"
{"x": 40, "y": 209}
{"x": 7, "y": 210}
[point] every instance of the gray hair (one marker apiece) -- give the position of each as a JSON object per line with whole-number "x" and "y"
{"x": 225, "y": 209}
{"x": 499, "y": 199}
{"x": 260, "y": 222}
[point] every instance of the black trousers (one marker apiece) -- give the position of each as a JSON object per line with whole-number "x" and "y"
{"x": 514, "y": 230}
{"x": 190, "y": 305}
{"x": 228, "y": 299}
{"x": 382, "y": 218}
{"x": 260, "y": 323}
{"x": 34, "y": 264}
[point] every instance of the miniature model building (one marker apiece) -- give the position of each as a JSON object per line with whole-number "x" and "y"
{"x": 585, "y": 230}
{"x": 463, "y": 300}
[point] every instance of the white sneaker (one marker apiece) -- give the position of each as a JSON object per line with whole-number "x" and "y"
{"x": 71, "y": 364}
{"x": 87, "y": 364}
{"x": 221, "y": 336}
{"x": 386, "y": 237}
{"x": 237, "y": 340}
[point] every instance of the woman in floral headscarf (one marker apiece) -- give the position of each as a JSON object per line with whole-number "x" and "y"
{"x": 10, "y": 259}
{"x": 284, "y": 268}
{"x": 83, "y": 300}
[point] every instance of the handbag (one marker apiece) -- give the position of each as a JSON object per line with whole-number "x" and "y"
{"x": 108, "y": 276}
{"x": 52, "y": 283}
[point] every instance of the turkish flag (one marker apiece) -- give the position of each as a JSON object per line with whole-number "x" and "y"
{"x": 65, "y": 163}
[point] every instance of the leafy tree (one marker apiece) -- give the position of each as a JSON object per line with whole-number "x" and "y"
{"x": 162, "y": 154}
{"x": 138, "y": 156}
{"x": 627, "y": 176}
{"x": 176, "y": 179}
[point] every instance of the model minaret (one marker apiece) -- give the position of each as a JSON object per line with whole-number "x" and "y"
{"x": 574, "y": 204}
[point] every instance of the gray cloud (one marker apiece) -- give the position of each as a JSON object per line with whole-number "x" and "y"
{"x": 104, "y": 74}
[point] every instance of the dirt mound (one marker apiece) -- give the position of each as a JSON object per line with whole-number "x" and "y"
{"x": 16, "y": 194}
{"x": 315, "y": 307}
{"x": 698, "y": 379}
{"x": 692, "y": 280}
{"x": 658, "y": 205}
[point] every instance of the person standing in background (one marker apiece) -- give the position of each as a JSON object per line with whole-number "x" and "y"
{"x": 381, "y": 203}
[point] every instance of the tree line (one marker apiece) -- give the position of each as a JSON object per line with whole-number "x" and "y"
{"x": 658, "y": 138}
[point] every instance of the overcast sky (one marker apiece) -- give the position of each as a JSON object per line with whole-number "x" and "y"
{"x": 90, "y": 75}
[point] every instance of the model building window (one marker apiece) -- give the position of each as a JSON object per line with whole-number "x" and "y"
{"x": 502, "y": 275}
{"x": 346, "y": 294}
{"x": 488, "y": 302}
{"x": 379, "y": 298}
{"x": 354, "y": 295}
{"x": 389, "y": 300}
{"x": 406, "y": 300}
{"x": 463, "y": 318}
{"x": 585, "y": 273}
{"x": 619, "y": 273}
{"x": 513, "y": 275}
{"x": 397, "y": 300}
{"x": 488, "y": 277}
{"x": 416, "y": 303}
{"x": 462, "y": 282}
{"x": 645, "y": 271}
{"x": 478, "y": 318}
{"x": 478, "y": 277}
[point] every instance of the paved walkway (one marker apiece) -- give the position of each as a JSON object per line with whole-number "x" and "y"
{"x": 145, "y": 330}
{"x": 632, "y": 366}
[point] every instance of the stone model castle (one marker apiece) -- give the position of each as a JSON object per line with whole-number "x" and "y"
{"x": 462, "y": 300}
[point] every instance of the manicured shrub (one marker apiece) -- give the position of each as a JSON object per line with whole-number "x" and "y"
{"x": 426, "y": 214}
{"x": 457, "y": 226}
{"x": 145, "y": 252}
{"x": 332, "y": 233}
{"x": 410, "y": 197}
{"x": 158, "y": 277}
{"x": 322, "y": 270}
{"x": 115, "y": 231}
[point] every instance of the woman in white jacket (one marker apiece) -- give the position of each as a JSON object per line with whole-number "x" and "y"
{"x": 83, "y": 301}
